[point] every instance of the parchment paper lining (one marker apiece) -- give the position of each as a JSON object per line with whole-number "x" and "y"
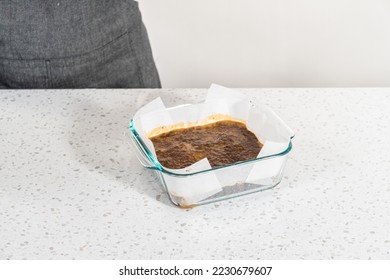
{"x": 263, "y": 122}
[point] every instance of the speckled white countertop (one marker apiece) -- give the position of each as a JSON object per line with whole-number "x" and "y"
{"x": 70, "y": 187}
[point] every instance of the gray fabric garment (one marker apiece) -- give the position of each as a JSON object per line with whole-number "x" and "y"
{"x": 74, "y": 44}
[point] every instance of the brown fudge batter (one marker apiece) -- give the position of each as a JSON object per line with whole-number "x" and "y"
{"x": 222, "y": 142}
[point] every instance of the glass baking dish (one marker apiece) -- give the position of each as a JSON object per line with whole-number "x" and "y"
{"x": 215, "y": 184}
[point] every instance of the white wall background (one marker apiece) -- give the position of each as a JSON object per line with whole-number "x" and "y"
{"x": 270, "y": 43}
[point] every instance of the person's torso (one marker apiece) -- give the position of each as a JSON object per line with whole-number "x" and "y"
{"x": 38, "y": 29}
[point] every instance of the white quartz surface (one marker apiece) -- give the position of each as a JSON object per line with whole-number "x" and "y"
{"x": 70, "y": 187}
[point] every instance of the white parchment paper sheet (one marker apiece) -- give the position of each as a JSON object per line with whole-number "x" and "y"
{"x": 266, "y": 125}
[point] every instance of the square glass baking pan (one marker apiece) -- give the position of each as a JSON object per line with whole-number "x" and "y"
{"x": 189, "y": 189}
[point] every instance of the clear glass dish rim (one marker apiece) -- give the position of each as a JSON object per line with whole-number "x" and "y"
{"x": 157, "y": 166}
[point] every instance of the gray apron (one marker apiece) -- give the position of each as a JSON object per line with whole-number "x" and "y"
{"x": 74, "y": 44}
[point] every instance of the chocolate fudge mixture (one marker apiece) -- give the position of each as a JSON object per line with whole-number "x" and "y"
{"x": 222, "y": 142}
